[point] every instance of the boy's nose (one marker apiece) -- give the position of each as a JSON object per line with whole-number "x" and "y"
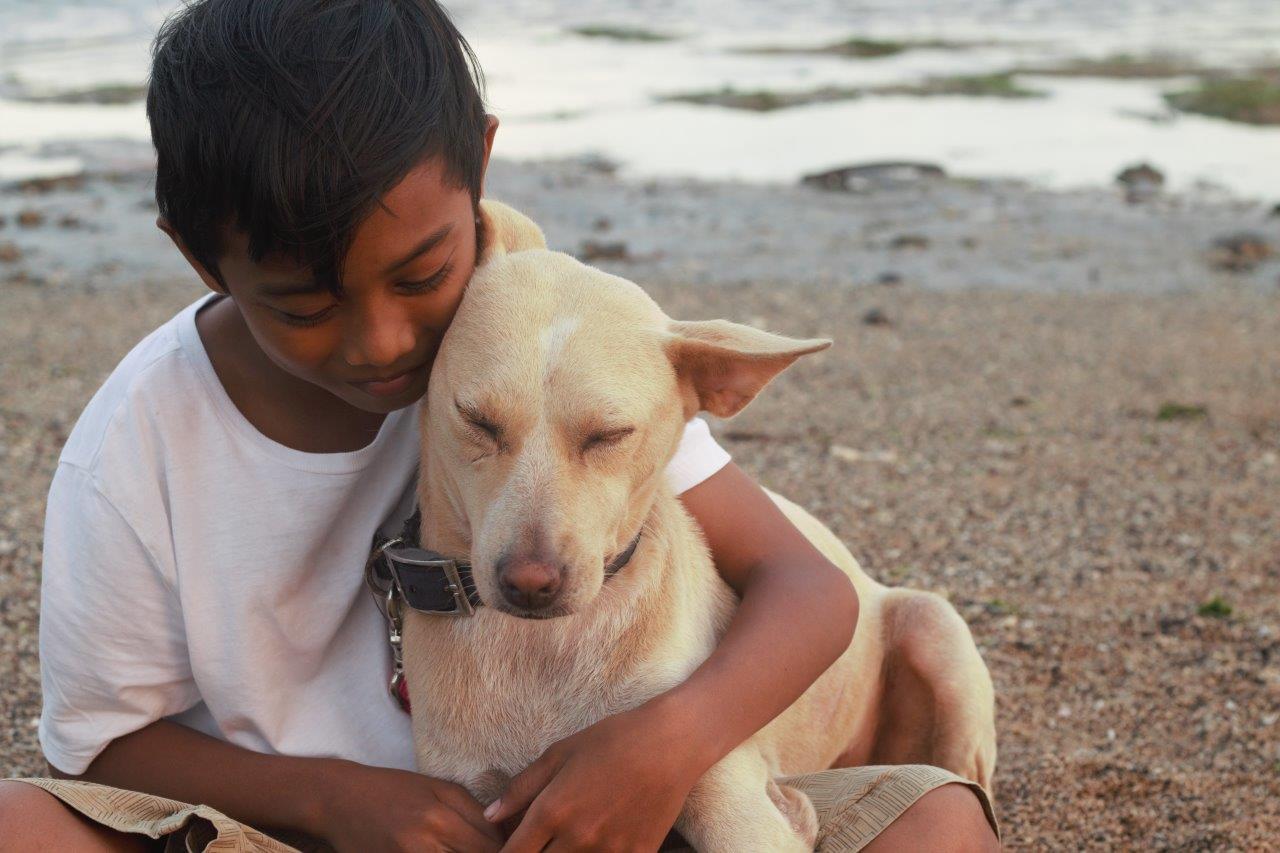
{"x": 379, "y": 341}
{"x": 530, "y": 584}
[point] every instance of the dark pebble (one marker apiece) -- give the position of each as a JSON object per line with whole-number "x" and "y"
{"x": 40, "y": 186}
{"x": 1141, "y": 182}
{"x": 596, "y": 250}
{"x": 889, "y": 278}
{"x": 876, "y": 317}
{"x": 866, "y": 176}
{"x": 909, "y": 241}
{"x": 30, "y": 218}
{"x": 1240, "y": 252}
{"x": 1142, "y": 173}
{"x": 23, "y": 277}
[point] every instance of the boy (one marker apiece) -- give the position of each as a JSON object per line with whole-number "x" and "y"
{"x": 205, "y": 636}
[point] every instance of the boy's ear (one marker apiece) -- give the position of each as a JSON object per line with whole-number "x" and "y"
{"x": 490, "y": 130}
{"x": 722, "y": 366}
{"x": 210, "y": 278}
{"x": 508, "y": 230}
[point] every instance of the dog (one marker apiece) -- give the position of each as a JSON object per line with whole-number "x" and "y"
{"x": 556, "y": 400}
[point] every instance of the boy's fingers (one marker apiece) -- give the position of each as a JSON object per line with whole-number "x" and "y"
{"x": 463, "y": 836}
{"x": 531, "y": 836}
{"x": 523, "y": 789}
{"x": 461, "y": 801}
{"x": 475, "y": 820}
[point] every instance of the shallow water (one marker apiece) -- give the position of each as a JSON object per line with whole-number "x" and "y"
{"x": 560, "y": 94}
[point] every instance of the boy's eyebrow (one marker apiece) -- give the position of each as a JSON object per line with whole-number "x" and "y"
{"x": 290, "y": 288}
{"x": 432, "y": 240}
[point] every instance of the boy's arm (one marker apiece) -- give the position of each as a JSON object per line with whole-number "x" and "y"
{"x": 627, "y": 776}
{"x": 796, "y": 617}
{"x": 349, "y": 805}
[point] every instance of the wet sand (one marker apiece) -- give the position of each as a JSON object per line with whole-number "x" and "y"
{"x": 1051, "y": 407}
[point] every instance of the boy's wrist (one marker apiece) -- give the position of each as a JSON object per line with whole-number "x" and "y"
{"x": 320, "y": 796}
{"x": 696, "y": 726}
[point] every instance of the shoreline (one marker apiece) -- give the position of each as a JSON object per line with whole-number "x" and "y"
{"x": 933, "y": 233}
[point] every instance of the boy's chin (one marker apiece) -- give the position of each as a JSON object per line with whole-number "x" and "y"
{"x": 383, "y": 400}
{"x": 380, "y": 404}
{"x": 383, "y": 405}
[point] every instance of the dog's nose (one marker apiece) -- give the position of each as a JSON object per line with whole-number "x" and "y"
{"x": 527, "y": 583}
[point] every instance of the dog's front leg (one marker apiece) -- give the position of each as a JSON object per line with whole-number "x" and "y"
{"x": 737, "y": 807}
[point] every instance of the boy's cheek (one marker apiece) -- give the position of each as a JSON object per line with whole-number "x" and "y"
{"x": 303, "y": 352}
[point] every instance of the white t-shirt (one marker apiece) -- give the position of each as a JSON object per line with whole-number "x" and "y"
{"x": 196, "y": 569}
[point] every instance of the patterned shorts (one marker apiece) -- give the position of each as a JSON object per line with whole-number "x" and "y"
{"x": 854, "y": 805}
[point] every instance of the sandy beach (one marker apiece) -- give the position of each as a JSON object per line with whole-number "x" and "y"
{"x": 1059, "y": 409}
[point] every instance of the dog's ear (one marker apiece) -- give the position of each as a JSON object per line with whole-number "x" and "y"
{"x": 722, "y": 366}
{"x": 507, "y": 230}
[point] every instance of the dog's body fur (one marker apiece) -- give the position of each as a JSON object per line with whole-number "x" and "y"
{"x": 490, "y": 693}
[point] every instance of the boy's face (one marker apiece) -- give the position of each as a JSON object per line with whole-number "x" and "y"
{"x": 403, "y": 278}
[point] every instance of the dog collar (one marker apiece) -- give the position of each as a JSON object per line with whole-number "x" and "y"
{"x": 428, "y": 581}
{"x": 400, "y": 573}
{"x": 424, "y": 580}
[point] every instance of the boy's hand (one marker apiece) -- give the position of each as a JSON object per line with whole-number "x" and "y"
{"x": 376, "y": 809}
{"x": 617, "y": 785}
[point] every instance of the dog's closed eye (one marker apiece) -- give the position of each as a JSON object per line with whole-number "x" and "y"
{"x": 606, "y": 438}
{"x": 480, "y": 425}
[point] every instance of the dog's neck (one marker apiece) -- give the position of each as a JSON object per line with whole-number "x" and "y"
{"x": 445, "y": 527}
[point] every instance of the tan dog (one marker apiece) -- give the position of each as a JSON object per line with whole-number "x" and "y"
{"x": 557, "y": 398}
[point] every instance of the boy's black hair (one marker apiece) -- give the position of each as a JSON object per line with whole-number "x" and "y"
{"x": 289, "y": 119}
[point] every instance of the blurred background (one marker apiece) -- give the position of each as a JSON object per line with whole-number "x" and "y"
{"x": 1045, "y": 235}
{"x": 1062, "y": 93}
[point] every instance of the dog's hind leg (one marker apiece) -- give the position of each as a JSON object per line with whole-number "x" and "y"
{"x": 938, "y": 704}
{"x": 737, "y": 807}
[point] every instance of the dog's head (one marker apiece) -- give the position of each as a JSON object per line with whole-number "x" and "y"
{"x": 558, "y": 396}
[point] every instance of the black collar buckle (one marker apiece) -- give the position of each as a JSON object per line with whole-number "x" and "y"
{"x": 429, "y": 582}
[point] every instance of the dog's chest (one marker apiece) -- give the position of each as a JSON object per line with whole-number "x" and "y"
{"x": 487, "y": 705}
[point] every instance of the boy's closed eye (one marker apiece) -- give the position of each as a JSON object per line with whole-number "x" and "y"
{"x": 297, "y": 302}
{"x": 430, "y": 283}
{"x": 316, "y": 315}
{"x": 311, "y": 319}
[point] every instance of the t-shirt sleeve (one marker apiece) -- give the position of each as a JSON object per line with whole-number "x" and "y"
{"x": 113, "y": 654}
{"x": 697, "y": 458}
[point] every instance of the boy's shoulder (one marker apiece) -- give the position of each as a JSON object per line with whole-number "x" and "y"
{"x": 156, "y": 376}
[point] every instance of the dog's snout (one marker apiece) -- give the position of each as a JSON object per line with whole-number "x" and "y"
{"x": 532, "y": 584}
